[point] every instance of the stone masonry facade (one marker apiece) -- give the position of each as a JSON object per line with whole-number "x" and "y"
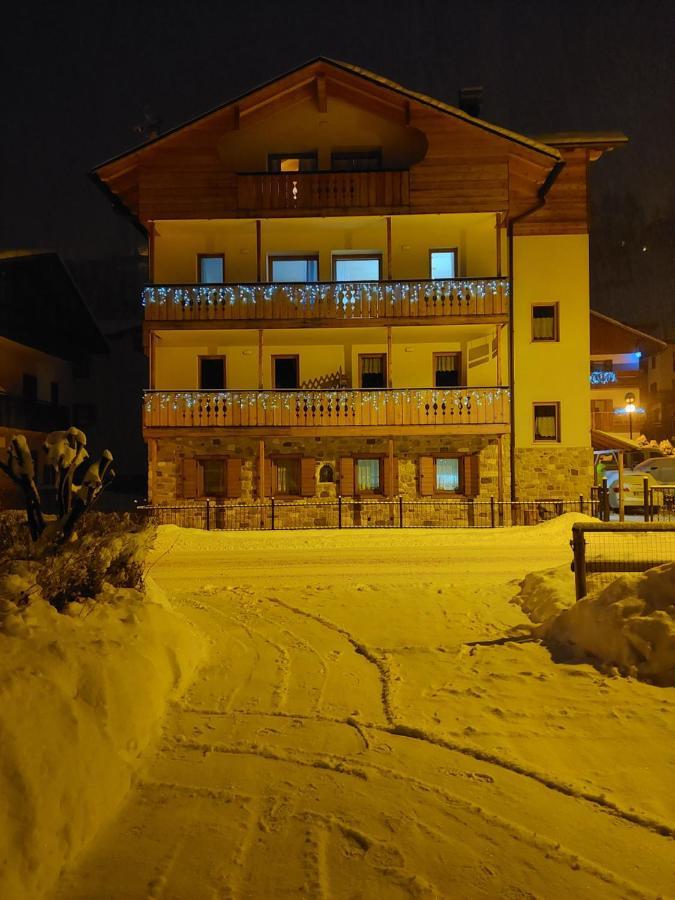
{"x": 552, "y": 471}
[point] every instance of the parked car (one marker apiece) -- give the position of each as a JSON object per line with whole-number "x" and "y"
{"x": 661, "y": 469}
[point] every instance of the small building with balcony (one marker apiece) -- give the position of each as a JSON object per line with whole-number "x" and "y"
{"x": 359, "y": 290}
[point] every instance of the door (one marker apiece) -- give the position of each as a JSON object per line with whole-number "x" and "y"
{"x": 286, "y": 372}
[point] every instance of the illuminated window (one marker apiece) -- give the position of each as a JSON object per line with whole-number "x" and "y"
{"x": 356, "y": 160}
{"x": 211, "y": 268}
{"x": 547, "y": 421}
{"x": 294, "y": 268}
{"x": 443, "y": 263}
{"x": 368, "y": 474}
{"x": 211, "y": 373}
{"x": 357, "y": 267}
{"x": 286, "y": 476}
{"x": 545, "y": 322}
{"x": 292, "y": 162}
{"x": 447, "y": 369}
{"x": 213, "y": 477}
{"x": 373, "y": 370}
{"x": 446, "y": 474}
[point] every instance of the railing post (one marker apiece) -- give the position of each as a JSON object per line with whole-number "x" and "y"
{"x": 208, "y": 515}
{"x": 272, "y": 517}
{"x": 645, "y": 498}
{"x": 400, "y": 511}
{"x": 492, "y": 512}
{"x": 339, "y": 510}
{"x": 579, "y": 548}
{"x": 581, "y": 503}
{"x": 605, "y": 501}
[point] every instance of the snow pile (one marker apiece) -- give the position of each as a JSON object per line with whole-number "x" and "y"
{"x": 630, "y": 624}
{"x": 545, "y": 594}
{"x": 81, "y": 695}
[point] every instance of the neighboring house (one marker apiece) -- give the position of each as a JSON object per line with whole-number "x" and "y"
{"x": 660, "y": 395}
{"x": 46, "y": 338}
{"x": 360, "y": 290}
{"x": 618, "y": 371}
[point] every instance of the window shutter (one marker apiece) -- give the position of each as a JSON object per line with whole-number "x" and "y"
{"x": 233, "y": 476}
{"x": 390, "y": 481}
{"x": 426, "y": 473}
{"x": 471, "y": 475}
{"x": 307, "y": 476}
{"x": 347, "y": 476}
{"x": 269, "y": 475}
{"x": 189, "y": 479}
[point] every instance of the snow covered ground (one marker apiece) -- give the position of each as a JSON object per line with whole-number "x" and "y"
{"x": 361, "y": 730}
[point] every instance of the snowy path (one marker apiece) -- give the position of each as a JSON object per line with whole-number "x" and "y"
{"x": 344, "y": 741}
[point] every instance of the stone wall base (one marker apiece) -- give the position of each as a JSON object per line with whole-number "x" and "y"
{"x": 552, "y": 471}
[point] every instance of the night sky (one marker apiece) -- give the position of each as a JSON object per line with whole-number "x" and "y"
{"x": 78, "y": 77}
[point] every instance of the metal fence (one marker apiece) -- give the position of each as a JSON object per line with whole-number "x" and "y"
{"x": 662, "y": 504}
{"x": 658, "y": 504}
{"x": 350, "y": 512}
{"x": 605, "y": 550}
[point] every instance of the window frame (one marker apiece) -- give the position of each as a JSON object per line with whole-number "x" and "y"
{"x": 558, "y": 435}
{"x": 305, "y": 154}
{"x": 385, "y": 373}
{"x": 341, "y": 254}
{"x": 220, "y": 356}
{"x": 380, "y": 490}
{"x": 555, "y": 305}
{"x": 460, "y": 369}
{"x": 460, "y": 473}
{"x": 200, "y": 257}
{"x": 375, "y": 154}
{"x": 200, "y": 460}
{"x": 274, "y": 460}
{"x": 455, "y": 253}
{"x": 276, "y": 356}
{"x": 290, "y": 257}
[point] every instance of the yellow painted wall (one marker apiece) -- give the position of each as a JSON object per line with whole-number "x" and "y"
{"x": 177, "y": 244}
{"x": 15, "y": 359}
{"x": 552, "y": 268}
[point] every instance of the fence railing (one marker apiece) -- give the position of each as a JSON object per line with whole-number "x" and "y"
{"x": 658, "y": 503}
{"x": 605, "y": 550}
{"x": 322, "y": 190}
{"x": 350, "y": 512}
{"x": 455, "y": 298}
{"x": 661, "y": 504}
{"x": 617, "y": 422}
{"x": 325, "y": 408}
{"x": 33, "y": 415}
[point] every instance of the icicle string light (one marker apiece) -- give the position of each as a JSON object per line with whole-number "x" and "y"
{"x": 334, "y": 298}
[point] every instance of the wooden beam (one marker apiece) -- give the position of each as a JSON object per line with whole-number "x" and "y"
{"x": 321, "y": 94}
{"x": 380, "y": 431}
{"x": 389, "y": 384}
{"x": 152, "y": 467}
{"x": 498, "y": 236}
{"x": 388, "y": 221}
{"x": 390, "y": 463}
{"x": 261, "y": 469}
{"x": 151, "y": 251}
{"x": 258, "y": 250}
{"x": 500, "y": 470}
{"x": 260, "y": 359}
{"x": 237, "y": 117}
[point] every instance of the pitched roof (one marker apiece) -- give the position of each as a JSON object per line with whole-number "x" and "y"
{"x": 611, "y": 336}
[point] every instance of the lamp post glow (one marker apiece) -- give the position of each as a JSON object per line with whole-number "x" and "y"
{"x": 630, "y": 409}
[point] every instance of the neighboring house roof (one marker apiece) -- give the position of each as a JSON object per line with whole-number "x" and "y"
{"x": 611, "y": 336}
{"x": 41, "y": 307}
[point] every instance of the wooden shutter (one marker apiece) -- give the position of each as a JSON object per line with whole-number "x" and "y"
{"x": 426, "y": 473}
{"x": 269, "y": 473}
{"x": 471, "y": 475}
{"x": 390, "y": 478}
{"x": 307, "y": 476}
{"x": 233, "y": 476}
{"x": 189, "y": 479}
{"x": 347, "y": 476}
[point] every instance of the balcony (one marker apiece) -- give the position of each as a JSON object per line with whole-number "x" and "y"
{"x": 31, "y": 415}
{"x": 453, "y": 300}
{"x": 322, "y": 191}
{"x": 468, "y": 409}
{"x": 617, "y": 422}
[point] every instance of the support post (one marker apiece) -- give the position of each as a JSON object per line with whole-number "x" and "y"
{"x": 645, "y": 499}
{"x": 258, "y": 250}
{"x": 581, "y": 503}
{"x": 339, "y": 510}
{"x": 390, "y": 463}
{"x": 388, "y": 269}
{"x": 272, "y": 517}
{"x": 260, "y": 359}
{"x": 579, "y": 548}
{"x": 389, "y": 378}
{"x": 604, "y": 502}
{"x": 620, "y": 482}
{"x": 261, "y": 469}
{"x": 208, "y": 514}
{"x": 400, "y": 511}
{"x": 492, "y": 512}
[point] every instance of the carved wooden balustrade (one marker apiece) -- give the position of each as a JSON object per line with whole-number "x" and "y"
{"x": 469, "y": 406}
{"x": 287, "y": 191}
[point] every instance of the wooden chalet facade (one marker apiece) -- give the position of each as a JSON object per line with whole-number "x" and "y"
{"x": 359, "y": 290}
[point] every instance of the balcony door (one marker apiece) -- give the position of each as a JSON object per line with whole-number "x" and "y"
{"x": 357, "y": 267}
{"x": 286, "y": 372}
{"x": 301, "y": 269}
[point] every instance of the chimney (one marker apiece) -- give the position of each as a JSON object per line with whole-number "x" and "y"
{"x": 470, "y": 99}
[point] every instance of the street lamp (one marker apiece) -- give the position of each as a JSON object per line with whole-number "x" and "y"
{"x": 630, "y": 409}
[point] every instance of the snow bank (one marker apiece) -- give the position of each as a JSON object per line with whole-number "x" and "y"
{"x": 629, "y": 625}
{"x": 545, "y": 594}
{"x": 81, "y": 695}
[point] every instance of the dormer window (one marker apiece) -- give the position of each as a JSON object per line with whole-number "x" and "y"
{"x": 293, "y": 162}
{"x": 356, "y": 160}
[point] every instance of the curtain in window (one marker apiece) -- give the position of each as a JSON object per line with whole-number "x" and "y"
{"x": 545, "y": 423}
{"x": 447, "y": 474}
{"x": 372, "y": 365}
{"x": 447, "y": 370}
{"x": 446, "y": 363}
{"x": 287, "y": 477}
{"x": 543, "y": 323}
{"x": 367, "y": 474}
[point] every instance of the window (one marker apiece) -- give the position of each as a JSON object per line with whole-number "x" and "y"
{"x": 547, "y": 421}
{"x": 372, "y": 370}
{"x": 545, "y": 322}
{"x": 293, "y": 162}
{"x": 447, "y": 369}
{"x": 356, "y": 160}
{"x": 326, "y": 474}
{"x": 294, "y": 268}
{"x": 211, "y": 373}
{"x": 213, "y": 477}
{"x": 368, "y": 476}
{"x": 286, "y": 372}
{"x": 443, "y": 263}
{"x": 210, "y": 268}
{"x": 30, "y": 387}
{"x": 446, "y": 475}
{"x": 357, "y": 267}
{"x": 54, "y": 393}
{"x": 286, "y": 476}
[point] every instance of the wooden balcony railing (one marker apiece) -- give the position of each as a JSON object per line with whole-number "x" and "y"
{"x": 617, "y": 422}
{"x": 33, "y": 415}
{"x": 322, "y": 190}
{"x": 452, "y": 298}
{"x": 475, "y": 406}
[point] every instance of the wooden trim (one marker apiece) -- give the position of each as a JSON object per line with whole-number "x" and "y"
{"x": 498, "y": 233}
{"x": 261, "y": 332}
{"x": 274, "y": 357}
{"x": 276, "y": 431}
{"x": 200, "y": 257}
{"x": 453, "y": 250}
{"x": 258, "y": 250}
{"x": 261, "y": 469}
{"x": 151, "y": 251}
{"x": 221, "y": 356}
{"x": 321, "y": 94}
{"x": 253, "y": 323}
{"x": 455, "y": 353}
{"x": 273, "y": 257}
{"x": 558, "y": 422}
{"x": 388, "y": 221}
{"x": 556, "y": 323}
{"x": 342, "y": 254}
{"x": 388, "y": 360}
{"x": 385, "y": 368}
